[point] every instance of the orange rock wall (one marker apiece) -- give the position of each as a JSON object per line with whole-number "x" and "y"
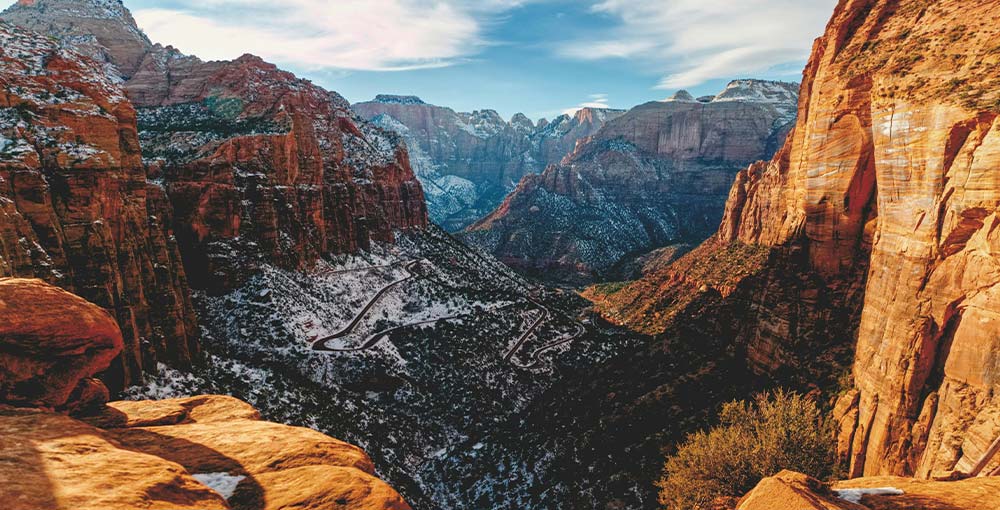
{"x": 897, "y": 149}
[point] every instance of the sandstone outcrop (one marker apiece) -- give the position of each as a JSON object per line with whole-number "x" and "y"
{"x": 225, "y": 166}
{"x": 75, "y": 207}
{"x": 656, "y": 176}
{"x": 885, "y": 197}
{"x": 51, "y": 344}
{"x": 794, "y": 491}
{"x": 468, "y": 162}
{"x": 206, "y": 452}
{"x": 259, "y": 167}
{"x": 265, "y": 168}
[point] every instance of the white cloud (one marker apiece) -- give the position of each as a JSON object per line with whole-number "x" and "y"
{"x": 693, "y": 41}
{"x": 374, "y": 35}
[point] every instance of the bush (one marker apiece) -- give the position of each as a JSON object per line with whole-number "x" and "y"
{"x": 753, "y": 440}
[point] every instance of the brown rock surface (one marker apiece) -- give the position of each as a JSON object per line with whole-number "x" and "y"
{"x": 284, "y": 467}
{"x": 794, "y": 491}
{"x": 890, "y": 168}
{"x": 789, "y": 490}
{"x": 75, "y": 209}
{"x": 51, "y": 342}
{"x": 148, "y": 453}
{"x": 50, "y": 461}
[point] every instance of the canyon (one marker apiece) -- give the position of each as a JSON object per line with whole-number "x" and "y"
{"x": 656, "y": 176}
{"x": 249, "y": 261}
{"x": 877, "y": 215}
{"x": 468, "y": 162}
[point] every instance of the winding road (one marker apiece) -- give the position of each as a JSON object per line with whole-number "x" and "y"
{"x": 319, "y": 345}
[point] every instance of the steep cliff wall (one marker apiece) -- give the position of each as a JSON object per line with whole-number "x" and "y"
{"x": 214, "y": 167}
{"x": 657, "y": 175}
{"x": 468, "y": 162}
{"x": 892, "y": 170}
{"x": 263, "y": 167}
{"x": 75, "y": 207}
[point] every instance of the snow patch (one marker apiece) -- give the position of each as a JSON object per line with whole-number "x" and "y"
{"x": 855, "y": 495}
{"x": 223, "y": 483}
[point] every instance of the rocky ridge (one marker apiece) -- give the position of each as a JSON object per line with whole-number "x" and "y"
{"x": 882, "y": 204}
{"x": 75, "y": 207}
{"x": 206, "y": 452}
{"x": 468, "y": 162}
{"x": 656, "y": 176}
{"x": 130, "y": 173}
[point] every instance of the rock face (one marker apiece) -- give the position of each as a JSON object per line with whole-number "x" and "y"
{"x": 101, "y": 29}
{"x": 258, "y": 165}
{"x": 656, "y": 176}
{"x": 206, "y": 452}
{"x": 888, "y": 175}
{"x": 262, "y": 167}
{"x": 794, "y": 491}
{"x": 240, "y": 164}
{"x": 75, "y": 207}
{"x": 468, "y": 162}
{"x": 176, "y": 454}
{"x": 51, "y": 344}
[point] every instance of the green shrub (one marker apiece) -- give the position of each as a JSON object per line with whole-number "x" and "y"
{"x": 753, "y": 440}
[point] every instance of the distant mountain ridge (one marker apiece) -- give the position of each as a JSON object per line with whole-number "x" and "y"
{"x": 468, "y": 162}
{"x": 655, "y": 176}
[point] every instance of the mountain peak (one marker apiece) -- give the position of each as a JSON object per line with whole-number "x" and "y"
{"x": 759, "y": 91}
{"x": 394, "y": 99}
{"x": 103, "y": 29}
{"x": 682, "y": 96}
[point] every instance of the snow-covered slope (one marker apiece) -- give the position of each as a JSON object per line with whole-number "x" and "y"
{"x": 468, "y": 162}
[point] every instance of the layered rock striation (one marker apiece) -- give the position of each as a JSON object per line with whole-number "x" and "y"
{"x": 76, "y": 209}
{"x": 131, "y": 174}
{"x": 656, "y": 176}
{"x": 886, "y": 196}
{"x": 468, "y": 162}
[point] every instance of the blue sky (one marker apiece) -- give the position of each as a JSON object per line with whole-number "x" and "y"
{"x": 540, "y": 57}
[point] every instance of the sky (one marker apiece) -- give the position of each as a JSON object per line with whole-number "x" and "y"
{"x": 538, "y": 57}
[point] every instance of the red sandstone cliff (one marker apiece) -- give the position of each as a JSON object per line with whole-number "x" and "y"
{"x": 886, "y": 198}
{"x": 265, "y": 168}
{"x": 225, "y": 166}
{"x": 75, "y": 207}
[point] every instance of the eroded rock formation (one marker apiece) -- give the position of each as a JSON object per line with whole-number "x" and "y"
{"x": 225, "y": 166}
{"x": 468, "y": 162}
{"x": 75, "y": 207}
{"x": 207, "y": 452}
{"x": 886, "y": 196}
{"x": 655, "y": 176}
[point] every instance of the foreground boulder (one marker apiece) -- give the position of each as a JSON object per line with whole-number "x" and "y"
{"x": 190, "y": 453}
{"x": 789, "y": 490}
{"x": 276, "y": 466}
{"x": 51, "y": 344}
